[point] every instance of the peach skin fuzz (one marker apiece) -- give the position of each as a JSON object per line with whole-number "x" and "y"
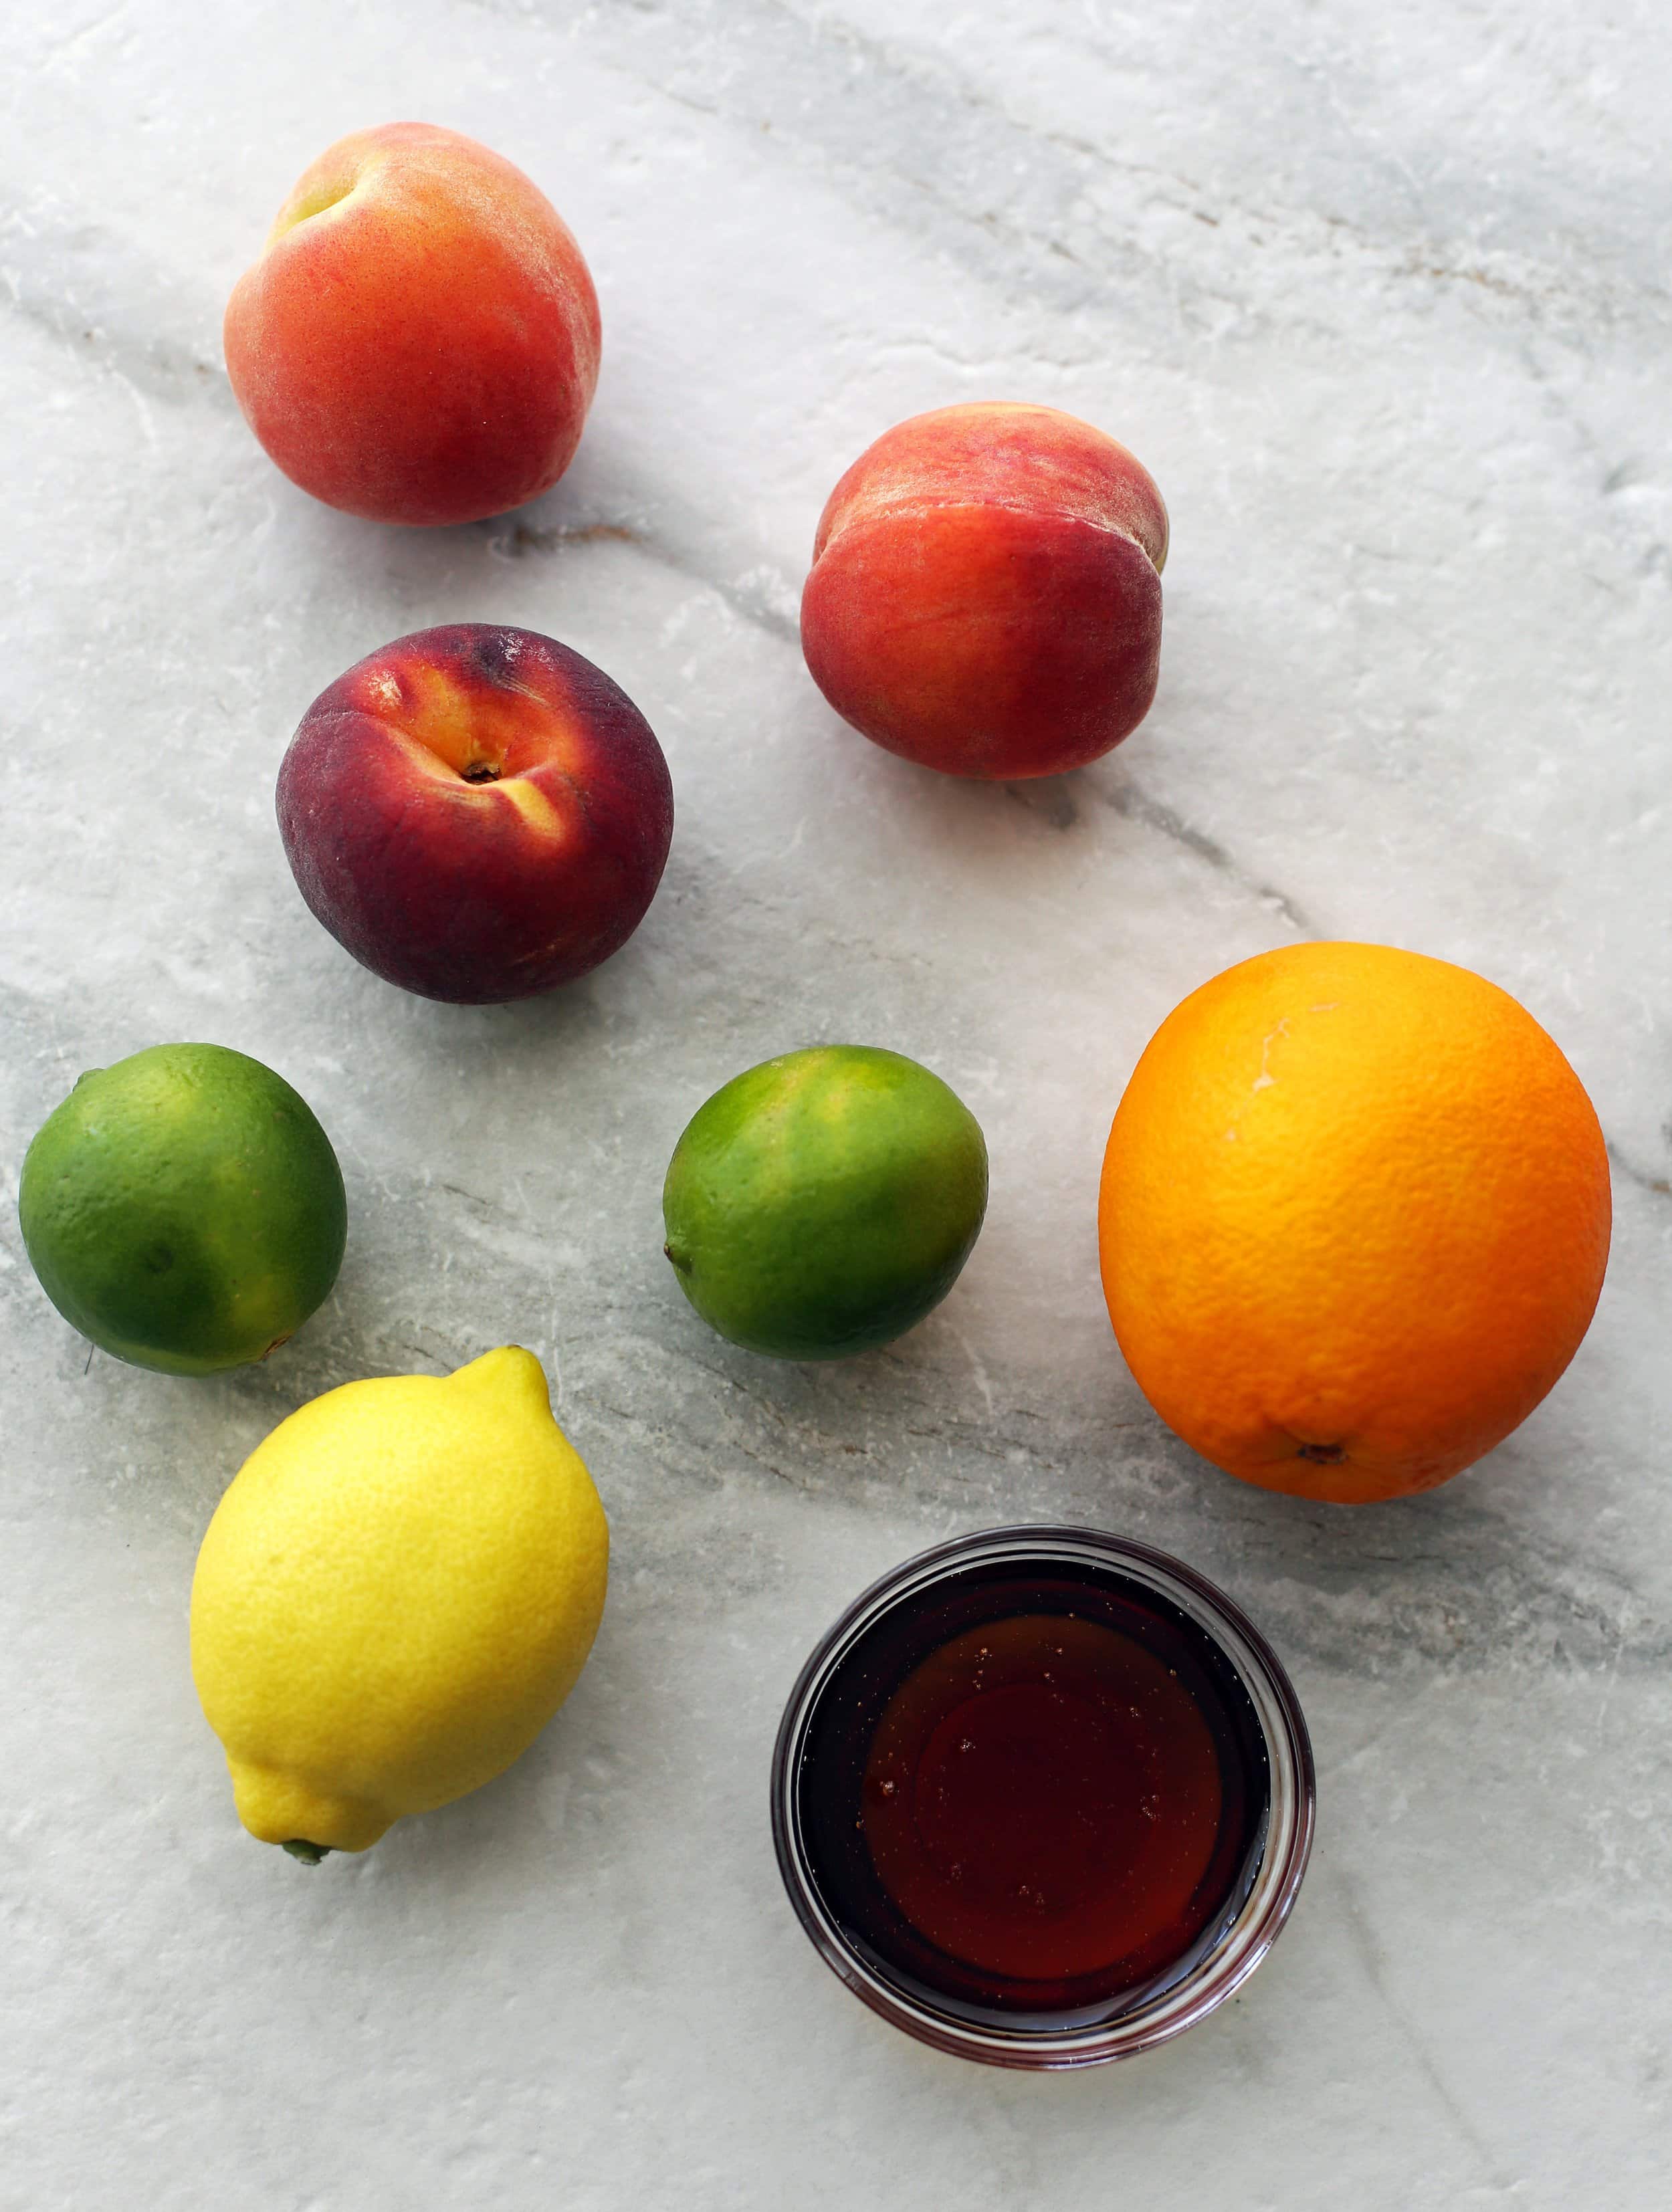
{"x": 418, "y": 340}
{"x": 985, "y": 591}
{"x": 476, "y": 814}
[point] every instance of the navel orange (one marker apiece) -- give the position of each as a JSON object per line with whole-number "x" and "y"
{"x": 1353, "y": 1221}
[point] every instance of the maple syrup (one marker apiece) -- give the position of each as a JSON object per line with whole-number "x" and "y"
{"x": 1030, "y": 1792}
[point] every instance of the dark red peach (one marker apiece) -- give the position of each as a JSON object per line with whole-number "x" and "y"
{"x": 476, "y": 814}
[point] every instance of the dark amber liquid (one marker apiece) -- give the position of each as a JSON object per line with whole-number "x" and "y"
{"x": 1035, "y": 1793}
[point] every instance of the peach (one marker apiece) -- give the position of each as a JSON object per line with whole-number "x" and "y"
{"x": 418, "y": 341}
{"x": 476, "y": 814}
{"x": 985, "y": 596}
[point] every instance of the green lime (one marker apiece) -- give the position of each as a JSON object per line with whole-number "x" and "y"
{"x": 824, "y": 1202}
{"x": 184, "y": 1209}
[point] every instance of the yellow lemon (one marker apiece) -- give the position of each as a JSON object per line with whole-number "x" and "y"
{"x": 397, "y": 1592}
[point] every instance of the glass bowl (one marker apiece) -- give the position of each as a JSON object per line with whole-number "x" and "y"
{"x": 882, "y": 1635}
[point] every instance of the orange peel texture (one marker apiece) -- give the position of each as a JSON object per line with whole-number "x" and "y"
{"x": 1353, "y": 1220}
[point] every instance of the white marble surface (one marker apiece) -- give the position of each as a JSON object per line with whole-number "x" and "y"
{"x": 1380, "y": 295}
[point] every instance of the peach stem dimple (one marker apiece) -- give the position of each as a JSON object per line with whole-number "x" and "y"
{"x": 317, "y": 202}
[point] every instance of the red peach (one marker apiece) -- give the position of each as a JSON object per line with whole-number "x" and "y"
{"x": 476, "y": 814}
{"x": 985, "y": 591}
{"x": 418, "y": 341}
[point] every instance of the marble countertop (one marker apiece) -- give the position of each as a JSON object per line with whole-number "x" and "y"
{"x": 1381, "y": 298}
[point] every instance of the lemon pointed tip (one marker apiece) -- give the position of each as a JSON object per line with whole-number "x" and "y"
{"x": 507, "y": 1364}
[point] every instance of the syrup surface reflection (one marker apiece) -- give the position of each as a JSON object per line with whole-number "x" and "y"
{"x": 1034, "y": 1792}
{"x": 1042, "y": 1798}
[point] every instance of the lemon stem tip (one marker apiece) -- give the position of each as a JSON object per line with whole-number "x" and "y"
{"x": 309, "y": 1854}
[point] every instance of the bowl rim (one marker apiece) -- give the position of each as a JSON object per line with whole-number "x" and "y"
{"x": 1248, "y": 1930}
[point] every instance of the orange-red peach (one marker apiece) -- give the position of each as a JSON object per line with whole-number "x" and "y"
{"x": 985, "y": 591}
{"x": 418, "y": 341}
